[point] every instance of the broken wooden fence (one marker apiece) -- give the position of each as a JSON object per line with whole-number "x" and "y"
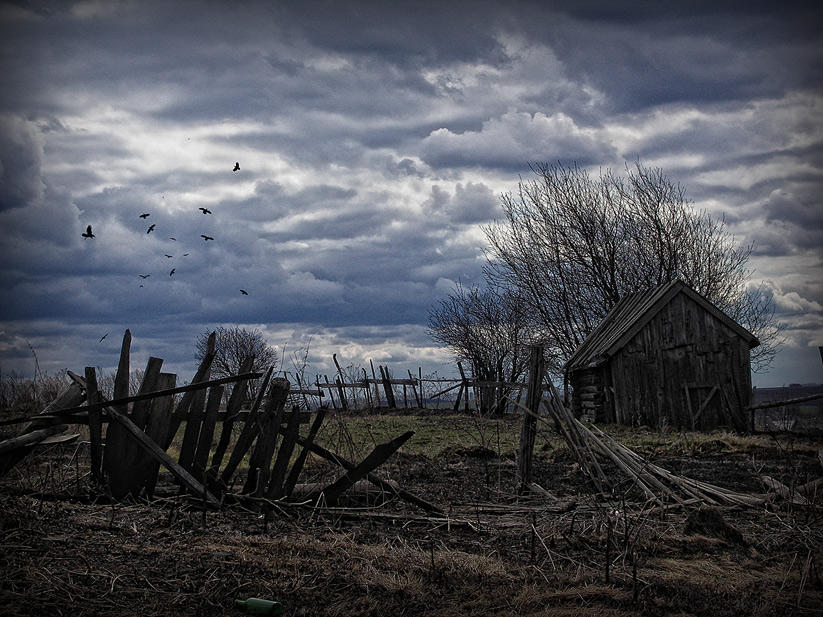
{"x": 590, "y": 445}
{"x": 126, "y": 457}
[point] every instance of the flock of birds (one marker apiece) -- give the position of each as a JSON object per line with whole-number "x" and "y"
{"x": 89, "y": 234}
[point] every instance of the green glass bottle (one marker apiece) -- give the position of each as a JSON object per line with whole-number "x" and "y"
{"x": 259, "y": 606}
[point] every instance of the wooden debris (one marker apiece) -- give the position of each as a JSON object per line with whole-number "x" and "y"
{"x": 659, "y": 485}
{"x": 376, "y": 458}
{"x": 31, "y": 438}
{"x": 259, "y": 469}
{"x": 244, "y": 442}
{"x": 784, "y": 491}
{"x": 528, "y": 429}
{"x": 371, "y": 477}
{"x": 122, "y": 479}
{"x": 238, "y": 395}
{"x": 276, "y": 487}
{"x": 71, "y": 396}
{"x": 294, "y": 474}
{"x": 149, "y": 446}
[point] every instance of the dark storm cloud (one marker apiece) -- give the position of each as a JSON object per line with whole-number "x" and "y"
{"x": 374, "y": 140}
{"x": 696, "y": 53}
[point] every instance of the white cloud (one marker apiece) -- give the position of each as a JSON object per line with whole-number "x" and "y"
{"x": 515, "y": 139}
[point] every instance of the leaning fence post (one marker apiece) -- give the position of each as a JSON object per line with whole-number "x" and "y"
{"x": 343, "y": 402}
{"x": 529, "y": 427}
{"x": 384, "y": 374}
{"x": 95, "y": 426}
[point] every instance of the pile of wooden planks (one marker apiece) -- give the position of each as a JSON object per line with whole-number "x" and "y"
{"x": 660, "y": 486}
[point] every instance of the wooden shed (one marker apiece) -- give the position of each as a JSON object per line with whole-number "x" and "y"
{"x": 664, "y": 356}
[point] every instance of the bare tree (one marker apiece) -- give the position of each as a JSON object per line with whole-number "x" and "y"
{"x": 487, "y": 329}
{"x": 573, "y": 246}
{"x": 231, "y": 347}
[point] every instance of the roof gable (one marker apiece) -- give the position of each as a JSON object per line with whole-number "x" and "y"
{"x": 632, "y": 313}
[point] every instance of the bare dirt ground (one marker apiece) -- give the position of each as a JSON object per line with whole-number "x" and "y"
{"x": 65, "y": 550}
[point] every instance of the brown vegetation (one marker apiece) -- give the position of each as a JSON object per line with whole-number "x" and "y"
{"x": 67, "y": 549}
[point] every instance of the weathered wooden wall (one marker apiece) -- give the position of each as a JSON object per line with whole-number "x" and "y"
{"x": 684, "y": 361}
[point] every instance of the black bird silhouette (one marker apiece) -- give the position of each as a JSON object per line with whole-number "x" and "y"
{"x": 104, "y": 336}
{"x": 236, "y": 167}
{"x": 145, "y": 216}
{"x": 167, "y": 255}
{"x": 140, "y": 285}
{"x": 206, "y": 238}
{"x": 172, "y": 271}
{"x": 205, "y": 210}
{"x": 150, "y": 229}
{"x": 244, "y": 292}
{"x": 185, "y": 254}
{"x": 88, "y": 233}
{"x": 145, "y": 276}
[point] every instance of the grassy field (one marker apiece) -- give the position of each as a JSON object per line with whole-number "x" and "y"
{"x": 66, "y": 549}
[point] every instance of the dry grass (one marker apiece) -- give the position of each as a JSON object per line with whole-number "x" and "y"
{"x": 65, "y": 550}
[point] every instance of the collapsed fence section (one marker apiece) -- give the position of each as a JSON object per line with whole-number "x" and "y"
{"x": 132, "y": 437}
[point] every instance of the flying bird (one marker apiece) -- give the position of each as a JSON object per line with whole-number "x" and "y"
{"x": 104, "y": 336}
{"x": 205, "y": 210}
{"x": 145, "y": 276}
{"x": 150, "y": 229}
{"x": 244, "y": 292}
{"x": 185, "y": 254}
{"x": 206, "y": 238}
{"x": 175, "y": 239}
{"x": 172, "y": 271}
{"x": 236, "y": 167}
{"x": 145, "y": 216}
{"x": 88, "y": 233}
{"x": 167, "y": 255}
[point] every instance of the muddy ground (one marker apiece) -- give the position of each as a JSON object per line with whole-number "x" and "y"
{"x": 66, "y": 550}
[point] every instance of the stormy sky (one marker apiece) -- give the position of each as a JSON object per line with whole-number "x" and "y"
{"x": 374, "y": 141}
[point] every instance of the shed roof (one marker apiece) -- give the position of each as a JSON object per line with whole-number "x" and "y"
{"x": 631, "y": 313}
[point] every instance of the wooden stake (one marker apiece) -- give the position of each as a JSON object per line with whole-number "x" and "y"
{"x": 201, "y": 454}
{"x": 250, "y": 430}
{"x": 267, "y": 439}
{"x": 276, "y": 487}
{"x": 528, "y": 430}
{"x": 157, "y": 427}
{"x": 116, "y": 438}
{"x": 202, "y": 374}
{"x": 95, "y": 427}
{"x": 149, "y": 446}
{"x": 123, "y": 475}
{"x": 294, "y": 474}
{"x": 238, "y": 395}
{"x": 343, "y": 402}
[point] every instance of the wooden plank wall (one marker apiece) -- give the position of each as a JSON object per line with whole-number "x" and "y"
{"x": 684, "y": 368}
